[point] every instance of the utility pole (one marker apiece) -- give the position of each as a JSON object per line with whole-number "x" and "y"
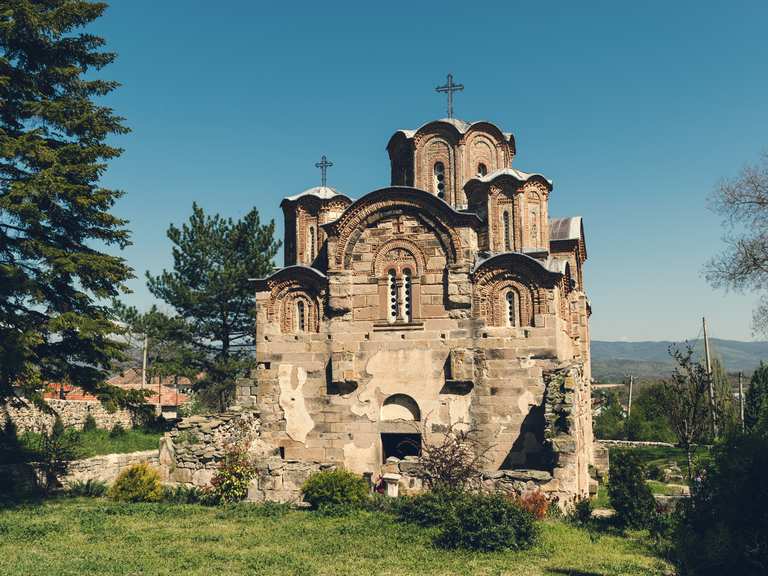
{"x": 708, "y": 361}
{"x": 741, "y": 401}
{"x": 629, "y": 403}
{"x": 144, "y": 363}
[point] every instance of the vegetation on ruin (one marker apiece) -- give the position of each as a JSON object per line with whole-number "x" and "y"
{"x": 95, "y": 536}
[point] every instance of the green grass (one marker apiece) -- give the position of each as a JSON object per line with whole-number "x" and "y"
{"x": 97, "y": 442}
{"x": 93, "y": 536}
{"x": 663, "y": 455}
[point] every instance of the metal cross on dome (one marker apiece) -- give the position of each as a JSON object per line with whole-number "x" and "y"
{"x": 324, "y": 164}
{"x": 450, "y": 88}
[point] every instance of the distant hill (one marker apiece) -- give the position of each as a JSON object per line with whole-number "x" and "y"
{"x": 611, "y": 361}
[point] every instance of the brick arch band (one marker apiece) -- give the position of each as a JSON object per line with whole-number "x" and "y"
{"x": 449, "y": 240}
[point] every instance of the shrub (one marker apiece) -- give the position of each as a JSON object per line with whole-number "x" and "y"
{"x": 139, "y": 483}
{"x": 723, "y": 529}
{"x": 90, "y": 488}
{"x": 629, "y": 494}
{"x": 117, "y": 431}
{"x": 187, "y": 495}
{"x": 54, "y": 452}
{"x": 235, "y": 472}
{"x": 534, "y": 502}
{"x": 431, "y": 508}
{"x": 453, "y": 460}
{"x": 487, "y": 523}
{"x": 581, "y": 513}
{"x": 89, "y": 424}
{"x": 335, "y": 488}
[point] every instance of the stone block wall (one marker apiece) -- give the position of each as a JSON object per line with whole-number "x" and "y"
{"x": 72, "y": 412}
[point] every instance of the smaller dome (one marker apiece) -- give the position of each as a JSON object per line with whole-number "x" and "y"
{"x": 322, "y": 192}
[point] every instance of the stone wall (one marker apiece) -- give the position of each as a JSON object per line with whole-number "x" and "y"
{"x": 72, "y": 412}
{"x": 101, "y": 468}
{"x": 192, "y": 451}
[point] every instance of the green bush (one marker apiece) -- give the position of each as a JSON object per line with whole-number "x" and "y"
{"x": 581, "y": 514}
{"x": 723, "y": 529}
{"x": 335, "y": 488}
{"x": 431, "y": 508}
{"x": 89, "y": 423}
{"x": 139, "y": 483}
{"x": 230, "y": 484}
{"x": 187, "y": 495}
{"x": 55, "y": 450}
{"x": 90, "y": 488}
{"x": 117, "y": 431}
{"x": 629, "y": 494}
{"x": 487, "y": 523}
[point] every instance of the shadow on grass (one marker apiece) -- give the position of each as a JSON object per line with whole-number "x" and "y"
{"x": 569, "y": 572}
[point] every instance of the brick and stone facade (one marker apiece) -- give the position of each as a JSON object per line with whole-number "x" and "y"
{"x": 447, "y": 298}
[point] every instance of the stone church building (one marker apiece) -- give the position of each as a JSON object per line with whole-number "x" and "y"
{"x": 449, "y": 298}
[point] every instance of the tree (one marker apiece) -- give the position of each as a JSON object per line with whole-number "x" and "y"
{"x": 756, "y": 399}
{"x": 685, "y": 396}
{"x": 55, "y": 323}
{"x": 649, "y": 416}
{"x": 726, "y": 415}
{"x": 209, "y": 290}
{"x": 743, "y": 264}
{"x": 610, "y": 423}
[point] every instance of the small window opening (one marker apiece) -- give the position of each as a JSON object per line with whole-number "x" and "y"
{"x": 400, "y": 445}
{"x": 511, "y": 309}
{"x": 440, "y": 179}
{"x": 507, "y": 232}
{"x": 407, "y": 295}
{"x": 392, "y": 289}
{"x": 301, "y": 321}
{"x": 312, "y": 244}
{"x": 482, "y": 169}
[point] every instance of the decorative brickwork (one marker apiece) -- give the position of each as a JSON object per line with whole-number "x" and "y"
{"x": 421, "y": 312}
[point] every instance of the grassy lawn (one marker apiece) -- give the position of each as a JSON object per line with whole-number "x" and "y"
{"x": 94, "y": 536}
{"x": 663, "y": 455}
{"x": 96, "y": 442}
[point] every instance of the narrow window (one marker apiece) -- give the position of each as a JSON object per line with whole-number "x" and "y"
{"x": 301, "y": 320}
{"x": 407, "y": 296}
{"x": 311, "y": 244}
{"x": 534, "y": 227}
{"x": 511, "y": 309}
{"x": 482, "y": 169}
{"x": 440, "y": 179}
{"x": 392, "y": 288}
{"x": 507, "y": 232}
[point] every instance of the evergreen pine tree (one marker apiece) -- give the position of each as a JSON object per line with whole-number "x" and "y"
{"x": 756, "y": 398}
{"x": 54, "y": 215}
{"x": 209, "y": 288}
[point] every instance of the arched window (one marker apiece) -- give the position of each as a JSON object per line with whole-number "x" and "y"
{"x": 511, "y": 316}
{"x": 439, "y": 171}
{"x": 301, "y": 318}
{"x": 393, "y": 296}
{"x": 507, "y": 232}
{"x": 312, "y": 244}
{"x": 407, "y": 296}
{"x": 482, "y": 169}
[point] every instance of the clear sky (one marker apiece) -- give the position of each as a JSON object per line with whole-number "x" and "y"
{"x": 634, "y": 109}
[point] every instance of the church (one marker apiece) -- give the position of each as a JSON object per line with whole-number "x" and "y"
{"x": 448, "y": 298}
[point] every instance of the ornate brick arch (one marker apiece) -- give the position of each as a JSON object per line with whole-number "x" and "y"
{"x": 386, "y": 203}
{"x": 399, "y": 249}
{"x": 511, "y": 271}
{"x": 287, "y": 287}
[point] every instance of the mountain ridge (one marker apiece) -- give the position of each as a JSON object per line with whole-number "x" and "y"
{"x": 613, "y": 360}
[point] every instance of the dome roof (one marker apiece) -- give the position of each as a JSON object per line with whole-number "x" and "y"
{"x": 322, "y": 192}
{"x": 461, "y": 126}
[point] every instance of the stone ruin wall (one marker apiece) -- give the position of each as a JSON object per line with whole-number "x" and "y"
{"x": 72, "y": 412}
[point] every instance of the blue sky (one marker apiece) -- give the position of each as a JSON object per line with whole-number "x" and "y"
{"x": 635, "y": 110}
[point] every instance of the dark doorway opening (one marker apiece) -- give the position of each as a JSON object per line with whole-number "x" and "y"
{"x": 400, "y": 445}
